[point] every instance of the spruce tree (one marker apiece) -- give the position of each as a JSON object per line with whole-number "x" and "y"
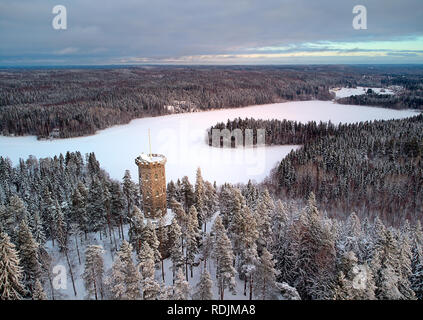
{"x": 192, "y": 236}
{"x": 11, "y": 273}
{"x": 181, "y": 287}
{"x": 29, "y": 258}
{"x": 38, "y": 292}
{"x": 125, "y": 279}
{"x": 225, "y": 271}
{"x": 136, "y": 228}
{"x": 150, "y": 287}
{"x": 204, "y": 287}
{"x": 94, "y": 271}
{"x": 129, "y": 189}
{"x": 265, "y": 277}
{"x": 200, "y": 197}
{"x": 176, "y": 256}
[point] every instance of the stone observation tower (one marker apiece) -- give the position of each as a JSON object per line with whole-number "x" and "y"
{"x": 151, "y": 168}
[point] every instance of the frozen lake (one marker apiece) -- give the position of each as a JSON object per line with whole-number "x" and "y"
{"x": 181, "y": 138}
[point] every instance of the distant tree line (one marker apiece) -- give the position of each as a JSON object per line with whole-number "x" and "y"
{"x": 73, "y": 102}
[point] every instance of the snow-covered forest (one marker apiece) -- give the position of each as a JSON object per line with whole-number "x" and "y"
{"x": 373, "y": 168}
{"x": 75, "y": 102}
{"x": 218, "y": 242}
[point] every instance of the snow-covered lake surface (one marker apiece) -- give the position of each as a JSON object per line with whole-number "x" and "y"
{"x": 181, "y": 138}
{"x": 348, "y": 92}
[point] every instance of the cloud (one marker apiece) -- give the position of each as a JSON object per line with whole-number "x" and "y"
{"x": 69, "y": 50}
{"x": 107, "y": 31}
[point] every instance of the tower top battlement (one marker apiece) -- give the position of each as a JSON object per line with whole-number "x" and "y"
{"x": 148, "y": 160}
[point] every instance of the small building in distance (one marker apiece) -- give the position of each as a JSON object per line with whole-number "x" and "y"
{"x": 152, "y": 178}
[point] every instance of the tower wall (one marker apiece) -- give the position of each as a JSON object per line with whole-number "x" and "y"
{"x": 152, "y": 178}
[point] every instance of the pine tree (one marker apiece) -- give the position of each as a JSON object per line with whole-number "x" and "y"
{"x": 38, "y": 292}
{"x": 149, "y": 235}
{"x": 95, "y": 206}
{"x": 279, "y": 220}
{"x": 94, "y": 271}
{"x": 150, "y": 287}
{"x": 192, "y": 236}
{"x": 236, "y": 221}
{"x": 171, "y": 191}
{"x": 200, "y": 197}
{"x": 48, "y": 210}
{"x": 206, "y": 249}
{"x": 117, "y": 205}
{"x": 405, "y": 260}
{"x": 264, "y": 219}
{"x": 125, "y": 279}
{"x": 163, "y": 242}
{"x": 79, "y": 207}
{"x": 204, "y": 287}
{"x": 313, "y": 252}
{"x": 176, "y": 256}
{"x": 225, "y": 271}
{"x": 136, "y": 228}
{"x": 181, "y": 216}
{"x": 6, "y": 220}
{"x": 249, "y": 264}
{"x": 417, "y": 271}
{"x": 265, "y": 277}
{"x": 188, "y": 194}
{"x": 211, "y": 203}
{"x": 16, "y": 213}
{"x": 181, "y": 287}
{"x": 28, "y": 252}
{"x": 355, "y": 282}
{"x": 38, "y": 229}
{"x": 129, "y": 189}
{"x": 60, "y": 227}
{"x": 11, "y": 273}
{"x": 385, "y": 267}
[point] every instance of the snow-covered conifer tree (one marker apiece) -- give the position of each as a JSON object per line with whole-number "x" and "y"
{"x": 129, "y": 190}
{"x": 150, "y": 287}
{"x": 225, "y": 272}
{"x": 28, "y": 252}
{"x": 181, "y": 287}
{"x": 211, "y": 203}
{"x": 11, "y": 273}
{"x": 94, "y": 271}
{"x": 265, "y": 286}
{"x": 176, "y": 254}
{"x": 124, "y": 281}
{"x": 192, "y": 236}
{"x": 136, "y": 228}
{"x": 38, "y": 291}
{"x": 200, "y": 197}
{"x": 204, "y": 287}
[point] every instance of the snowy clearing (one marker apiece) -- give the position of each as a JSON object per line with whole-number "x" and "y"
{"x": 348, "y": 92}
{"x": 181, "y": 138}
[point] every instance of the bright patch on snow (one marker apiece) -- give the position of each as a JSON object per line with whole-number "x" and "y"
{"x": 348, "y": 92}
{"x": 181, "y": 139}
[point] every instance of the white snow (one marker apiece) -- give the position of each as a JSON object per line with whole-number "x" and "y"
{"x": 181, "y": 138}
{"x": 348, "y": 92}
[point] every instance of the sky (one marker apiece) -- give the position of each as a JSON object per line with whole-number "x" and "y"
{"x": 105, "y": 32}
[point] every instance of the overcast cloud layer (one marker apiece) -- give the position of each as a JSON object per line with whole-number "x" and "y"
{"x": 210, "y": 32}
